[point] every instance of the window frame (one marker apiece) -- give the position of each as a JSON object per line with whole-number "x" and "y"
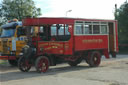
{"x": 92, "y": 23}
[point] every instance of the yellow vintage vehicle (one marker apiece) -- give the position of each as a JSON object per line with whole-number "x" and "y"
{"x": 12, "y": 40}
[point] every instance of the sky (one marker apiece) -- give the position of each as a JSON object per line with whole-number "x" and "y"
{"x": 98, "y": 9}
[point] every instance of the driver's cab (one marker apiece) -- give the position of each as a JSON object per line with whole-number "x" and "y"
{"x": 53, "y": 39}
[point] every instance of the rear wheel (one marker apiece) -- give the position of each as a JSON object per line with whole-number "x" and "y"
{"x": 42, "y": 64}
{"x": 13, "y": 62}
{"x": 24, "y": 65}
{"x": 94, "y": 59}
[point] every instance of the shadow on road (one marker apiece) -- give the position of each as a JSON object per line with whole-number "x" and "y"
{"x": 16, "y": 75}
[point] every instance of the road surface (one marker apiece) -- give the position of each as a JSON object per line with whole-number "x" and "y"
{"x": 110, "y": 72}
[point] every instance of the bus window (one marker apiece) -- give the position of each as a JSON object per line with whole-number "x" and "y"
{"x": 103, "y": 29}
{"x": 58, "y": 34}
{"x": 78, "y": 29}
{"x": 61, "y": 30}
{"x": 88, "y": 29}
{"x": 41, "y": 29}
{"x": 66, "y": 30}
{"x": 96, "y": 29}
{"x": 45, "y": 33}
{"x": 53, "y": 30}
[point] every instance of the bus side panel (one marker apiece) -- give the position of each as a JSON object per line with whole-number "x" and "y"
{"x": 90, "y": 42}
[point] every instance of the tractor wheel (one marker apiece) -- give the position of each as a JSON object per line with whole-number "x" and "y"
{"x": 24, "y": 65}
{"x": 95, "y": 59}
{"x": 75, "y": 63}
{"x": 42, "y": 64}
{"x": 13, "y": 62}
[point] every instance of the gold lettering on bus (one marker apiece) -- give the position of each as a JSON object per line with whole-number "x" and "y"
{"x": 48, "y": 48}
{"x": 56, "y": 44}
{"x": 45, "y": 44}
{"x": 93, "y": 41}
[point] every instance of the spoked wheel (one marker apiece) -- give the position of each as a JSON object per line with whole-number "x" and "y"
{"x": 24, "y": 65}
{"x": 95, "y": 59}
{"x": 42, "y": 64}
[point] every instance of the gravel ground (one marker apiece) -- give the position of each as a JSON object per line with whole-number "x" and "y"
{"x": 110, "y": 72}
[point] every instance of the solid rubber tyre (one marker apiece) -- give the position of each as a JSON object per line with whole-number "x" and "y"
{"x": 94, "y": 59}
{"x": 24, "y": 65}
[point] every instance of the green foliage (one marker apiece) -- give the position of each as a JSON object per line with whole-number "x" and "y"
{"x": 122, "y": 17}
{"x": 10, "y": 9}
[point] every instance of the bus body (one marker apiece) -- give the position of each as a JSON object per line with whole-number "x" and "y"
{"x": 70, "y": 40}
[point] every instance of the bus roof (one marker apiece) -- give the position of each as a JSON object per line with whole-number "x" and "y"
{"x": 57, "y": 20}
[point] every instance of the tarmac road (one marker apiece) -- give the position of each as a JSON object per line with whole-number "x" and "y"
{"x": 110, "y": 72}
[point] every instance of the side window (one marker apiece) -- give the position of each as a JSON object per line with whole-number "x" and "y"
{"x": 96, "y": 29}
{"x": 66, "y": 30}
{"x": 53, "y": 30}
{"x": 78, "y": 29}
{"x": 87, "y": 29}
{"x": 41, "y": 29}
{"x": 90, "y": 28}
{"x": 103, "y": 29}
{"x": 61, "y": 30}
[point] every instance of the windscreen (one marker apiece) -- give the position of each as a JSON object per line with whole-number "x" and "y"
{"x": 7, "y": 32}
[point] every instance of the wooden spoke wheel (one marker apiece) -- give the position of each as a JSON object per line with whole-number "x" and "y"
{"x": 42, "y": 64}
{"x": 24, "y": 65}
{"x": 95, "y": 59}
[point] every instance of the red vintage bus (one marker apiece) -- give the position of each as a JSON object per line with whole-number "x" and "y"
{"x": 67, "y": 40}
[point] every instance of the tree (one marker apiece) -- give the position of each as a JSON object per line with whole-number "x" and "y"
{"x": 10, "y": 9}
{"x": 122, "y": 17}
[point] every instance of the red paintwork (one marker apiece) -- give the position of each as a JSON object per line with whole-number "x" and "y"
{"x": 90, "y": 42}
{"x": 76, "y": 43}
{"x": 7, "y": 57}
{"x": 116, "y": 31}
{"x": 45, "y": 20}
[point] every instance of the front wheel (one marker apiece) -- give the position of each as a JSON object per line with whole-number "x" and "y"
{"x": 24, "y": 65}
{"x": 42, "y": 64}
